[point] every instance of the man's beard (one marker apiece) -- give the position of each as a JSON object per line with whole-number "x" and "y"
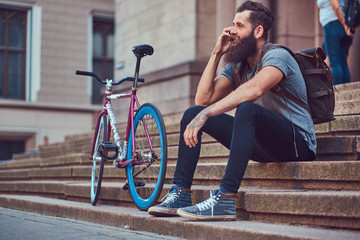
{"x": 239, "y": 52}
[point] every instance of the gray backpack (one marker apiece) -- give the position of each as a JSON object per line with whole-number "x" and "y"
{"x": 318, "y": 81}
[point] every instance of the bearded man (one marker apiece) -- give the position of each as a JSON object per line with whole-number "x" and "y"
{"x": 266, "y": 126}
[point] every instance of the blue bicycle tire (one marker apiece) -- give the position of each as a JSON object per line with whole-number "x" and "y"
{"x": 145, "y": 188}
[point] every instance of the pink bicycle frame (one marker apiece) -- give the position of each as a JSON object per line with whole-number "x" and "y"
{"x": 130, "y": 124}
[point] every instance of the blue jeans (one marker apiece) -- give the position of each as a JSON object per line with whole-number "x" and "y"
{"x": 337, "y": 45}
{"x": 253, "y": 133}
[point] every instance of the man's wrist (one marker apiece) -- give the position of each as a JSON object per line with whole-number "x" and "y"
{"x": 216, "y": 54}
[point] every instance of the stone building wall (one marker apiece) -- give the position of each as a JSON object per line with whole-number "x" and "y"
{"x": 65, "y": 48}
{"x": 183, "y": 34}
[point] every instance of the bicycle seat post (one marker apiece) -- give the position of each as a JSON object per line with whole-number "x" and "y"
{"x": 137, "y": 70}
{"x": 140, "y": 51}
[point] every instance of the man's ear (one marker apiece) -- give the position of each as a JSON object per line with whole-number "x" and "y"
{"x": 258, "y": 32}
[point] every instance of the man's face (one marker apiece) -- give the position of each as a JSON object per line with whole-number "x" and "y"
{"x": 244, "y": 43}
{"x": 241, "y": 26}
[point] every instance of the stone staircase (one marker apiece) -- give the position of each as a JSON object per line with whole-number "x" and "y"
{"x": 294, "y": 200}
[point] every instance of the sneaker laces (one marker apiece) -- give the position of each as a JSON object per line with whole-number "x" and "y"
{"x": 209, "y": 203}
{"x": 170, "y": 197}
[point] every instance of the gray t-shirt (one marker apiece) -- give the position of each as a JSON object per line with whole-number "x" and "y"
{"x": 293, "y": 82}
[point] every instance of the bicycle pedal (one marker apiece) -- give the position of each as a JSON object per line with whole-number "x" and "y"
{"x": 107, "y": 147}
{"x": 137, "y": 184}
{"x": 126, "y": 186}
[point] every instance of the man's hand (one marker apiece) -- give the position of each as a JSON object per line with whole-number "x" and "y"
{"x": 211, "y": 88}
{"x": 223, "y": 42}
{"x": 193, "y": 128}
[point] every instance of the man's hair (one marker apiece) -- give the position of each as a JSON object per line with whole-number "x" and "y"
{"x": 260, "y": 15}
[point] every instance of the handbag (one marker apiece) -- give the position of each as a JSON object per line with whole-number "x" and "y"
{"x": 352, "y": 13}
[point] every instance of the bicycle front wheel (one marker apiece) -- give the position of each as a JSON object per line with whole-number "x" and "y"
{"x": 98, "y": 160}
{"x": 146, "y": 173}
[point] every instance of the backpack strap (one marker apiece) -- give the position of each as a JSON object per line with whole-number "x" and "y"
{"x": 241, "y": 76}
{"x": 277, "y": 89}
{"x": 271, "y": 46}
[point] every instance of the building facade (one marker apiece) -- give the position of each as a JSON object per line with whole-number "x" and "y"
{"x": 42, "y": 43}
{"x": 56, "y": 37}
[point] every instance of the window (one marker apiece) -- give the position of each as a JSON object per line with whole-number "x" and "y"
{"x": 103, "y": 55}
{"x": 8, "y": 148}
{"x": 12, "y": 53}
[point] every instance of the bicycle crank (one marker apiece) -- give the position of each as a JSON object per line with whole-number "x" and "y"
{"x": 137, "y": 184}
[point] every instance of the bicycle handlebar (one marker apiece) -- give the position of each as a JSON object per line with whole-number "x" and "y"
{"x": 91, "y": 74}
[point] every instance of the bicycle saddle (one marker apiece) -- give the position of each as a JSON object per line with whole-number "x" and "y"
{"x": 143, "y": 50}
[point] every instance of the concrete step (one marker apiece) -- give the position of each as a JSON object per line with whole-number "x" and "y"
{"x": 335, "y": 209}
{"x": 317, "y": 175}
{"x": 291, "y": 175}
{"x": 328, "y": 148}
{"x": 83, "y": 142}
{"x": 346, "y": 92}
{"x": 347, "y": 123}
{"x": 347, "y": 95}
{"x": 335, "y": 142}
{"x": 32, "y": 155}
{"x": 348, "y": 103}
{"x": 347, "y": 107}
{"x": 53, "y": 161}
{"x": 338, "y": 148}
{"x": 347, "y": 86}
{"x": 174, "y": 226}
{"x": 342, "y": 126}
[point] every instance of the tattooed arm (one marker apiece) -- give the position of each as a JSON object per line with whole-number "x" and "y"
{"x": 263, "y": 81}
{"x": 193, "y": 128}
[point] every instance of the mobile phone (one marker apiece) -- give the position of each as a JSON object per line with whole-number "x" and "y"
{"x": 232, "y": 37}
{"x": 351, "y": 30}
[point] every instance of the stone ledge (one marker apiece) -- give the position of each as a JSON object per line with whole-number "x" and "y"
{"x": 348, "y": 86}
{"x": 346, "y": 144}
{"x": 347, "y": 107}
{"x": 342, "y": 126}
{"x": 333, "y": 175}
{"x": 55, "y": 161}
{"x": 250, "y": 199}
{"x": 176, "y": 226}
{"x": 353, "y": 94}
{"x": 272, "y": 204}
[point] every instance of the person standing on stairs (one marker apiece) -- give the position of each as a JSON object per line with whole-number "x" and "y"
{"x": 265, "y": 128}
{"x": 337, "y": 37}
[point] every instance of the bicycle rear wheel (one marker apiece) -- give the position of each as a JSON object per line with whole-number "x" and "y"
{"x": 146, "y": 173}
{"x": 98, "y": 160}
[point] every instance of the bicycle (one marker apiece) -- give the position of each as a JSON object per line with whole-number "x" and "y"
{"x": 144, "y": 150}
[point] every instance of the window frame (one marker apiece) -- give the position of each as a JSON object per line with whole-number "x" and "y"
{"x": 33, "y": 46}
{"x": 7, "y": 50}
{"x": 107, "y": 24}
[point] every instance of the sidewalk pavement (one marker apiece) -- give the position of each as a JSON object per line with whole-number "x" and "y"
{"x": 17, "y": 225}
